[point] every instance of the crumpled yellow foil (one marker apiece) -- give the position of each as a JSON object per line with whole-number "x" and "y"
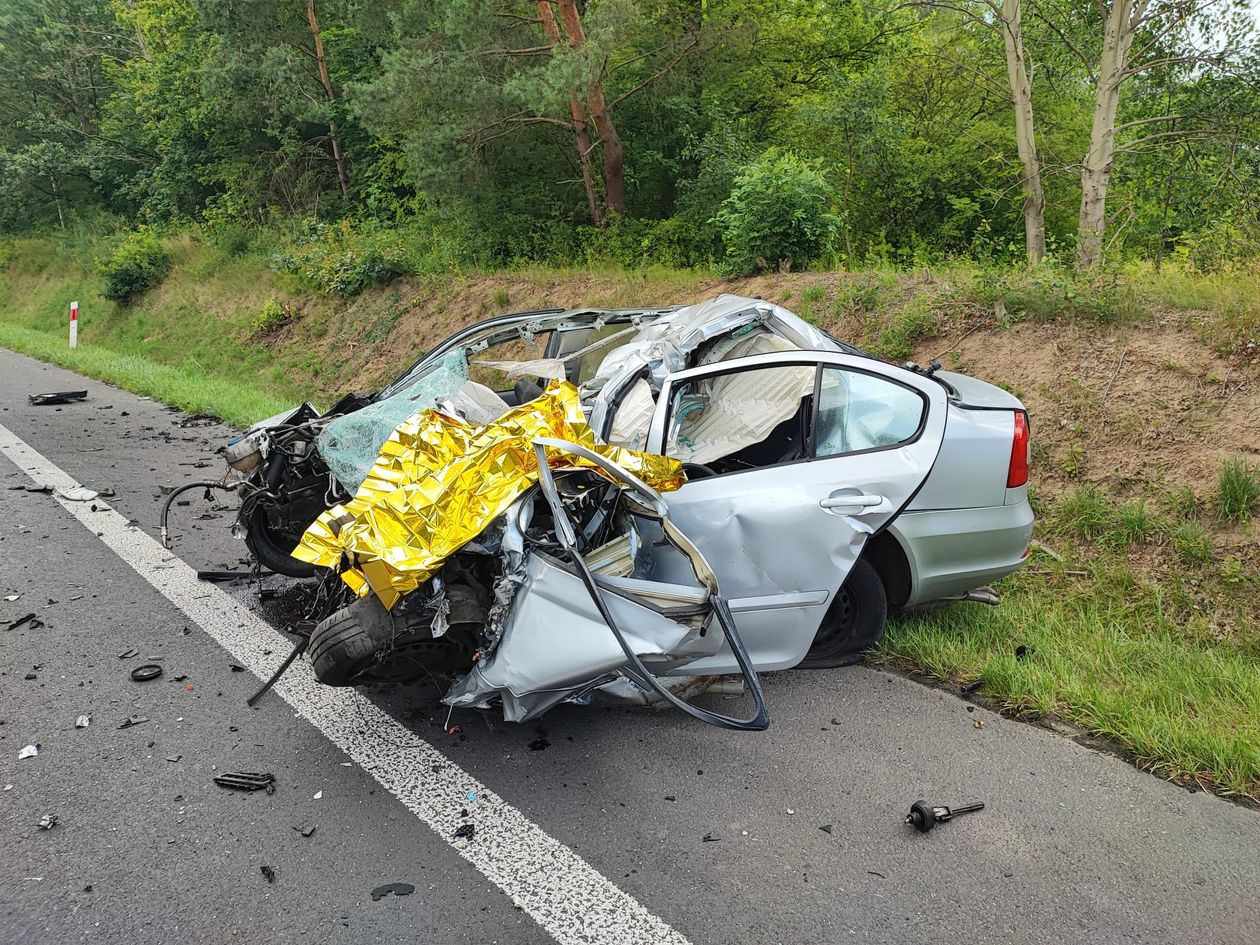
{"x": 438, "y": 482}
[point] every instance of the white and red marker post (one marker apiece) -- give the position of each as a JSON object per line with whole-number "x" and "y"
{"x": 74, "y": 324}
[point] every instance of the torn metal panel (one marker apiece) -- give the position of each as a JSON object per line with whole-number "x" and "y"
{"x": 555, "y": 643}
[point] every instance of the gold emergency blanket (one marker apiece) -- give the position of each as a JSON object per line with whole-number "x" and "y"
{"x": 438, "y": 483}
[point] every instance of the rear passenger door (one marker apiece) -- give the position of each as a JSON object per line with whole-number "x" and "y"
{"x": 794, "y": 459}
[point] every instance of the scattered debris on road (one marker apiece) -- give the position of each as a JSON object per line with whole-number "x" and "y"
{"x": 247, "y": 781}
{"x": 397, "y": 889}
{"x": 57, "y": 397}
{"x": 318, "y": 795}
{"x": 968, "y": 688}
{"x": 305, "y": 830}
{"x": 30, "y": 751}
{"x": 48, "y": 821}
{"x": 78, "y": 494}
{"x": 465, "y": 831}
{"x": 134, "y": 721}
{"x": 1023, "y": 651}
{"x": 923, "y": 816}
{"x": 826, "y": 828}
{"x": 128, "y": 653}
{"x": 222, "y": 577}
{"x": 32, "y": 619}
{"x": 268, "y": 872}
{"x": 146, "y": 672}
{"x": 83, "y": 721}
{"x": 710, "y": 838}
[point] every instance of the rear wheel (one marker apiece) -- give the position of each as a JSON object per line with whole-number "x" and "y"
{"x": 854, "y": 622}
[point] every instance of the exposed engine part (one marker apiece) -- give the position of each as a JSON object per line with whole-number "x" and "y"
{"x": 244, "y": 454}
{"x": 923, "y": 816}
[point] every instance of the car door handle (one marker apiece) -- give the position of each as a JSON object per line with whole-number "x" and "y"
{"x": 850, "y": 501}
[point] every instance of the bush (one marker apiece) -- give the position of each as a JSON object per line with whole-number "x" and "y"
{"x": 1049, "y": 293}
{"x": 345, "y": 258}
{"x": 271, "y": 315}
{"x": 136, "y": 265}
{"x": 778, "y": 215}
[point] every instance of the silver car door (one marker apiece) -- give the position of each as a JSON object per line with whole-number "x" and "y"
{"x": 783, "y": 533}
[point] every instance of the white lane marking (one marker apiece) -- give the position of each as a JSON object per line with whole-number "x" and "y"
{"x": 563, "y": 893}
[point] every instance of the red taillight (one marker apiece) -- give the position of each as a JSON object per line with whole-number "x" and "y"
{"x": 1021, "y": 452}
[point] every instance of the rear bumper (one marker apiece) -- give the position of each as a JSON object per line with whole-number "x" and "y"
{"x": 953, "y": 550}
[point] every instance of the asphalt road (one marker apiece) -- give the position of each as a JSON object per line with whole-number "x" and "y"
{"x": 609, "y": 819}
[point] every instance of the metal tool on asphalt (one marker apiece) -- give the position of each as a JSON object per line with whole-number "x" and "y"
{"x": 247, "y": 781}
{"x": 924, "y": 816}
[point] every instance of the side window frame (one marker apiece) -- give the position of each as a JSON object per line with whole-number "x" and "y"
{"x": 813, "y": 420}
{"x": 657, "y": 434}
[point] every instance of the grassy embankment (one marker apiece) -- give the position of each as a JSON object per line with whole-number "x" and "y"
{"x": 1141, "y": 611}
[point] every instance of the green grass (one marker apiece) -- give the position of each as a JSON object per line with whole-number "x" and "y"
{"x": 189, "y": 390}
{"x": 1238, "y": 490}
{"x": 1184, "y": 710}
{"x": 1161, "y": 657}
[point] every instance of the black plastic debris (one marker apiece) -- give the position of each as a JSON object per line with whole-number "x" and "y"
{"x": 236, "y": 667}
{"x": 709, "y": 838}
{"x": 268, "y": 872}
{"x": 465, "y": 831}
{"x": 1023, "y": 651}
{"x": 539, "y": 744}
{"x": 57, "y": 397}
{"x": 31, "y": 619}
{"x": 146, "y": 672}
{"x": 924, "y": 816}
{"x": 128, "y": 653}
{"x": 247, "y": 781}
{"x": 305, "y": 830}
{"x": 397, "y": 889}
{"x": 48, "y": 821}
{"x": 220, "y": 577}
{"x": 134, "y": 720}
{"x": 968, "y": 688}
{"x": 826, "y": 828}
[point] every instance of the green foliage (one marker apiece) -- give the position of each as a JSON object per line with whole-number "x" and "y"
{"x": 137, "y": 264}
{"x": 1050, "y": 293}
{"x": 779, "y": 215}
{"x": 916, "y": 322}
{"x": 270, "y": 316}
{"x": 344, "y": 259}
{"x": 1191, "y": 543}
{"x": 1238, "y": 490}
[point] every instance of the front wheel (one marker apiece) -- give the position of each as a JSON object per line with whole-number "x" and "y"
{"x": 854, "y": 622}
{"x": 265, "y": 546}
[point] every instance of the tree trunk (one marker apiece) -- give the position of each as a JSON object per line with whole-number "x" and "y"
{"x": 610, "y": 141}
{"x": 1025, "y": 141}
{"x": 334, "y": 137}
{"x": 580, "y": 134}
{"x": 1096, "y": 167}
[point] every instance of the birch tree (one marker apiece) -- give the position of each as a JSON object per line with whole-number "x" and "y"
{"x": 1007, "y": 18}
{"x": 1189, "y": 35}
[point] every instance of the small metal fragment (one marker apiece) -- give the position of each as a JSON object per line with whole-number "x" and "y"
{"x": 48, "y": 821}
{"x": 247, "y": 781}
{"x": 146, "y": 672}
{"x": 924, "y": 816}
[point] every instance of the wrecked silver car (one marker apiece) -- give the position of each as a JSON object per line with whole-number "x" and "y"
{"x": 799, "y": 488}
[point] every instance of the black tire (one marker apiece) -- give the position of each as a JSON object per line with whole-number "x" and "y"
{"x": 854, "y": 622}
{"x": 363, "y": 643}
{"x": 264, "y": 546}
